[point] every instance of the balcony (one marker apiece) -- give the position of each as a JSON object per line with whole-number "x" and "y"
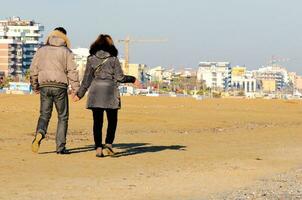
{"x": 13, "y": 34}
{"x": 31, "y": 42}
{"x": 12, "y": 55}
{"x": 33, "y": 35}
{"x": 26, "y": 63}
{"x": 30, "y": 49}
{"x": 37, "y": 27}
{"x": 28, "y": 56}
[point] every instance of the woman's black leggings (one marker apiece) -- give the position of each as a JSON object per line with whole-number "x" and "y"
{"x": 98, "y": 125}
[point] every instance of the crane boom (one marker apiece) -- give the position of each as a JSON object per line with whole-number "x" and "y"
{"x": 127, "y": 42}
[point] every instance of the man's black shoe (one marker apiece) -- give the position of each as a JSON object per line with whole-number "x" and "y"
{"x": 64, "y": 151}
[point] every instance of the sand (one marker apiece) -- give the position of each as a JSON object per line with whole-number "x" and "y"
{"x": 168, "y": 148}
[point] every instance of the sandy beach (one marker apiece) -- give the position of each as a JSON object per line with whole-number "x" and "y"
{"x": 168, "y": 148}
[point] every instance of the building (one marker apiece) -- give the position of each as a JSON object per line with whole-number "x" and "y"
{"x": 276, "y": 73}
{"x": 243, "y": 80}
{"x": 168, "y": 75}
{"x": 188, "y": 73}
{"x": 269, "y": 85}
{"x": 296, "y": 81}
{"x": 238, "y": 71}
{"x": 156, "y": 74}
{"x": 188, "y": 79}
{"x": 138, "y": 71}
{"x": 215, "y": 75}
{"x": 80, "y": 58}
{"x": 10, "y": 57}
{"x": 298, "y": 84}
{"x": 19, "y": 40}
{"x": 19, "y": 86}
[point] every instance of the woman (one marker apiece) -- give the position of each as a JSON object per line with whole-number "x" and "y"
{"x": 102, "y": 76}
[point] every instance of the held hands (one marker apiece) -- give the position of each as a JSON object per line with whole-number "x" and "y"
{"x": 75, "y": 98}
{"x": 137, "y": 83}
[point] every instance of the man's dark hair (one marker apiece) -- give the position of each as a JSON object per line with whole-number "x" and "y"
{"x": 105, "y": 43}
{"x": 61, "y": 29}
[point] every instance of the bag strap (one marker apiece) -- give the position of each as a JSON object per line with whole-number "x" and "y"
{"x": 99, "y": 67}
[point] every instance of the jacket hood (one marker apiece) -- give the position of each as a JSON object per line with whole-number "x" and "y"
{"x": 102, "y": 54}
{"x": 56, "y": 38}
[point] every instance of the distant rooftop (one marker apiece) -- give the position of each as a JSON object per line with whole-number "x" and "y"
{"x": 218, "y": 64}
{"x": 81, "y": 51}
{"x": 16, "y": 21}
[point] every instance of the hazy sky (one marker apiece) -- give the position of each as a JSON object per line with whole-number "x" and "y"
{"x": 244, "y": 32}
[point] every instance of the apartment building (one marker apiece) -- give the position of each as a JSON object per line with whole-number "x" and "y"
{"x": 138, "y": 71}
{"x": 80, "y": 58}
{"x": 275, "y": 73}
{"x": 157, "y": 74}
{"x": 19, "y": 40}
{"x": 296, "y": 81}
{"x": 243, "y": 80}
{"x": 215, "y": 75}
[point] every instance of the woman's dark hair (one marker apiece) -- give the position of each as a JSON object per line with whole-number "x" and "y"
{"x": 105, "y": 43}
{"x": 61, "y": 29}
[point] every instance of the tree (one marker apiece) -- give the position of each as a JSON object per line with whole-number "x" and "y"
{"x": 27, "y": 75}
{"x": 5, "y": 82}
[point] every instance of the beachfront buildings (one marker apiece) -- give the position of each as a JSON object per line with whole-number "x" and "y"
{"x": 274, "y": 73}
{"x": 296, "y": 81}
{"x": 156, "y": 74}
{"x": 19, "y": 40}
{"x": 80, "y": 58}
{"x": 243, "y": 80}
{"x": 137, "y": 70}
{"x": 268, "y": 86}
{"x": 215, "y": 75}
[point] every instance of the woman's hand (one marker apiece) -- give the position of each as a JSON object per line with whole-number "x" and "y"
{"x": 137, "y": 83}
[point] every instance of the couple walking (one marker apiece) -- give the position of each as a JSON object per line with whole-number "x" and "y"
{"x": 53, "y": 70}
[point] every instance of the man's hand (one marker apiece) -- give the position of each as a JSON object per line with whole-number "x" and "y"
{"x": 37, "y": 91}
{"x": 75, "y": 98}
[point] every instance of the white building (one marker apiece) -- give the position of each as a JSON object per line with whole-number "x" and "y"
{"x": 245, "y": 82}
{"x": 216, "y": 75}
{"x": 137, "y": 70}
{"x": 19, "y": 40}
{"x": 80, "y": 57}
{"x": 168, "y": 75}
{"x": 275, "y": 72}
{"x": 156, "y": 73}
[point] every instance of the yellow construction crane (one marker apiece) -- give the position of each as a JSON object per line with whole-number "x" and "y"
{"x": 127, "y": 42}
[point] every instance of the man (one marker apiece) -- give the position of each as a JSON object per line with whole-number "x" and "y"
{"x": 51, "y": 71}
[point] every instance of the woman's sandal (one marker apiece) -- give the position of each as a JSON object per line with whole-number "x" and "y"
{"x": 109, "y": 150}
{"x": 99, "y": 153}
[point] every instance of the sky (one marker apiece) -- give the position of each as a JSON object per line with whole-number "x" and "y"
{"x": 243, "y": 32}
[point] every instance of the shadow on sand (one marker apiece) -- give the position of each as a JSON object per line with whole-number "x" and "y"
{"x": 127, "y": 149}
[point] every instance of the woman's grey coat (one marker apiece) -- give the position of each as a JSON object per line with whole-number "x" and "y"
{"x": 102, "y": 76}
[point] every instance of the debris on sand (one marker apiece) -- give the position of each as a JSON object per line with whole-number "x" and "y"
{"x": 282, "y": 186}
